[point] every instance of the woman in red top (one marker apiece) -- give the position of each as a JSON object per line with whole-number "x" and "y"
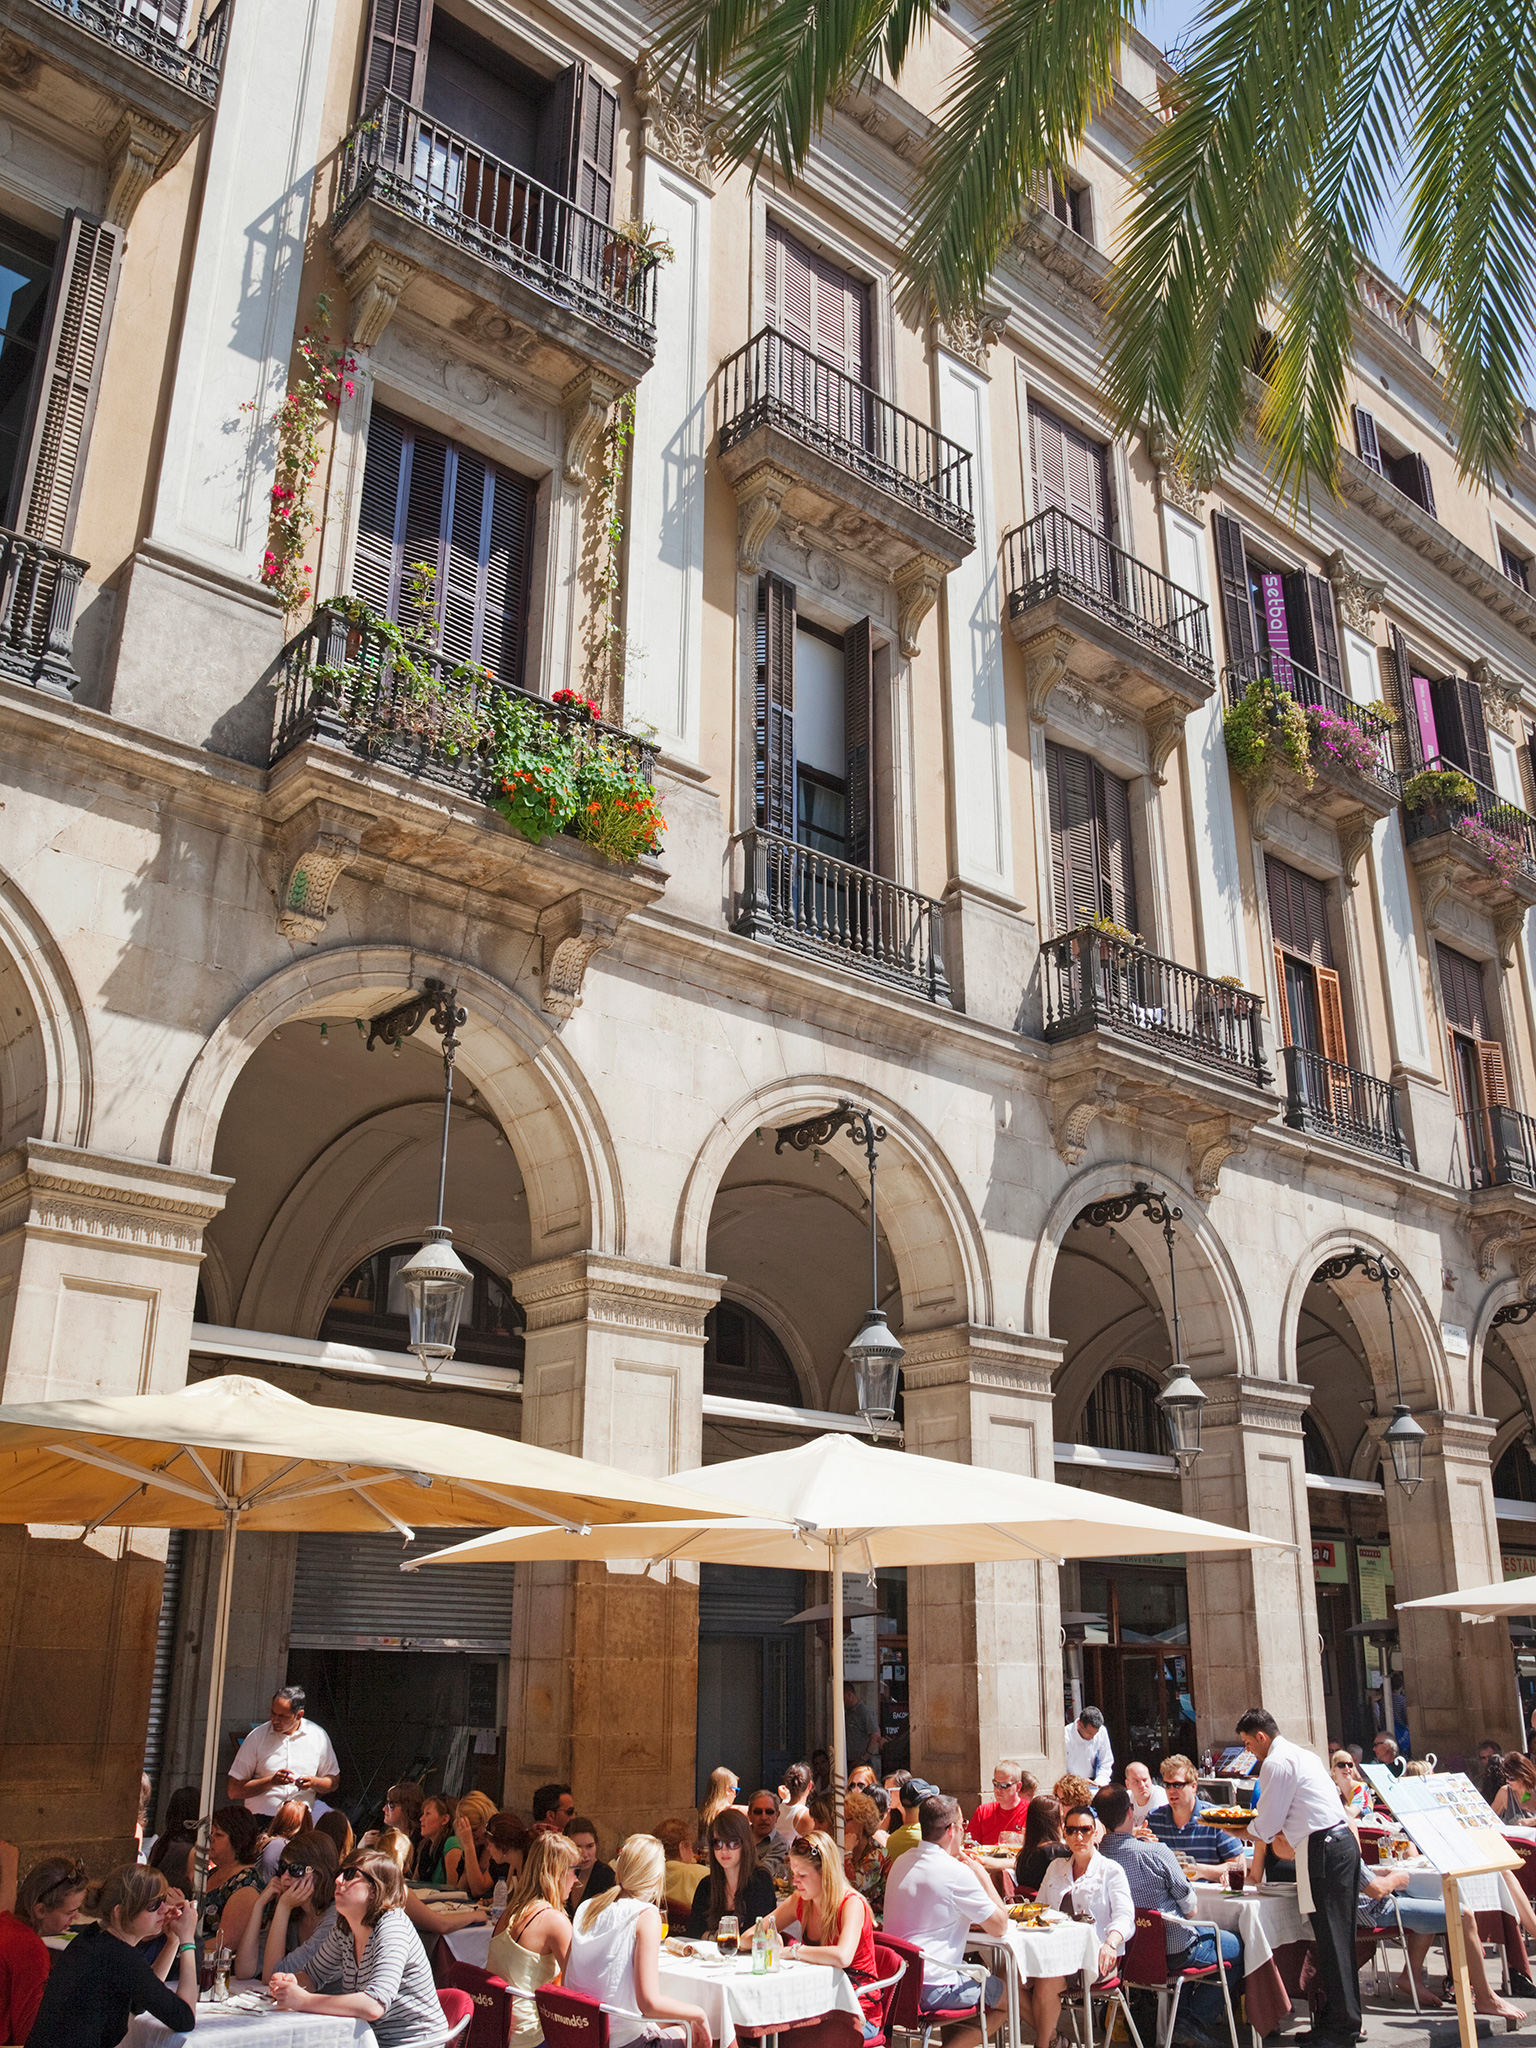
{"x": 47, "y": 1900}
{"x": 837, "y": 1922}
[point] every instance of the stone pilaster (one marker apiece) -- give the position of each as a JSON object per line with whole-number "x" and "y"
{"x": 985, "y": 1640}
{"x": 1253, "y": 1613}
{"x": 605, "y": 1663}
{"x": 1458, "y": 1676}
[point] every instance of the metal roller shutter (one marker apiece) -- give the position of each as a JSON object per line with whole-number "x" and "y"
{"x": 747, "y": 1600}
{"x": 165, "y": 1656}
{"x": 349, "y": 1593}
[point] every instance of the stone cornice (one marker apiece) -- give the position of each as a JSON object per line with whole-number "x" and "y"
{"x": 1244, "y": 1401}
{"x": 970, "y": 1354}
{"x": 64, "y": 1191}
{"x": 616, "y": 1294}
{"x": 1452, "y": 1434}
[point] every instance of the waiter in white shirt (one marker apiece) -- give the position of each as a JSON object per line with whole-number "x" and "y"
{"x": 285, "y": 1758}
{"x": 1299, "y": 1807}
{"x": 1089, "y": 1754}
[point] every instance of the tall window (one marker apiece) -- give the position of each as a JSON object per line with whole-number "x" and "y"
{"x": 1478, "y": 1078}
{"x": 1092, "y": 870}
{"x": 1311, "y": 1003}
{"x": 26, "y": 265}
{"x": 1122, "y": 1414}
{"x": 1287, "y": 614}
{"x": 744, "y": 1360}
{"x": 1400, "y": 465}
{"x": 426, "y": 499}
{"x": 369, "y": 1308}
{"x": 815, "y": 303}
{"x": 815, "y": 711}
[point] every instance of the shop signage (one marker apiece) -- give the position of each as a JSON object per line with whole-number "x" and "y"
{"x": 1375, "y": 1562}
{"x": 1518, "y": 1564}
{"x": 1330, "y": 1566}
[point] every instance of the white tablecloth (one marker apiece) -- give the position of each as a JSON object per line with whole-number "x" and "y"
{"x": 1054, "y": 1951}
{"x": 218, "y": 2027}
{"x": 1262, "y": 1921}
{"x": 471, "y": 1945}
{"x": 1488, "y": 1892}
{"x": 731, "y": 1996}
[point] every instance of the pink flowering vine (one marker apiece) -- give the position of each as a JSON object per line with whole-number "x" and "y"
{"x": 325, "y": 377}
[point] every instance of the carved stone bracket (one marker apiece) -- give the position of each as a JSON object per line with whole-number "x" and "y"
{"x": 1264, "y": 792}
{"x": 1359, "y": 597}
{"x": 1176, "y": 485}
{"x": 136, "y": 148}
{"x": 1506, "y": 1227}
{"x": 1508, "y": 924}
{"x": 1074, "y": 1106}
{"x": 19, "y": 65}
{"x": 373, "y": 285}
{"x": 1525, "y": 1266}
{"x": 1212, "y": 1142}
{"x": 1501, "y": 698}
{"x": 1436, "y": 879}
{"x": 969, "y": 332}
{"x": 318, "y": 844}
{"x": 1355, "y": 833}
{"x": 587, "y": 400}
{"x": 1164, "y": 731}
{"x": 760, "y": 498}
{"x": 573, "y": 930}
{"x": 1045, "y": 663}
{"x": 918, "y": 584}
{"x": 675, "y": 126}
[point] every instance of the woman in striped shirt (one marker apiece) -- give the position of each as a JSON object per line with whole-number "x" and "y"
{"x": 370, "y": 1961}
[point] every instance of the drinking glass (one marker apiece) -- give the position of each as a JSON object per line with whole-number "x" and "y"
{"x": 1236, "y": 1873}
{"x": 728, "y": 1935}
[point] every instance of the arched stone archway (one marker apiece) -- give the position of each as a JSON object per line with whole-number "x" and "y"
{"x": 1426, "y": 1377}
{"x": 46, "y": 1067}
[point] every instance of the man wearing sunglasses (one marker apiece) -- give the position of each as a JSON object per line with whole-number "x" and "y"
{"x": 1005, "y": 1812}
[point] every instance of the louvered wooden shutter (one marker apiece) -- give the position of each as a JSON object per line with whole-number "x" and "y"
{"x": 1325, "y": 631}
{"x": 1475, "y": 731}
{"x": 858, "y": 722}
{"x": 776, "y": 706}
{"x": 816, "y": 304}
{"x": 1423, "y": 492}
{"x": 1298, "y": 619}
{"x": 1074, "y": 869}
{"x": 1116, "y": 865}
{"x": 1461, "y": 990}
{"x": 1236, "y": 597}
{"x": 554, "y": 150}
{"x": 597, "y": 128}
{"x": 1330, "y": 1011}
{"x": 1070, "y": 472}
{"x": 1490, "y": 1067}
{"x": 46, "y": 494}
{"x": 1411, "y": 740}
{"x": 1283, "y": 1019}
{"x": 1365, "y": 439}
{"x": 1298, "y": 911}
{"x": 375, "y": 563}
{"x": 395, "y": 54}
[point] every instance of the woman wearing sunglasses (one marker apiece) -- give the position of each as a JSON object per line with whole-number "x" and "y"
{"x": 298, "y": 1903}
{"x": 1090, "y": 1887}
{"x": 370, "y": 1958}
{"x": 735, "y": 1883}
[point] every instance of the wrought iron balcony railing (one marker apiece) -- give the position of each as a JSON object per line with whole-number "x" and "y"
{"x": 1370, "y": 753}
{"x": 1499, "y": 1146}
{"x": 1093, "y": 981}
{"x": 1340, "y": 1102}
{"x": 814, "y": 904}
{"x": 1490, "y": 823}
{"x": 149, "y": 33}
{"x": 415, "y": 166}
{"x": 339, "y": 684}
{"x": 1053, "y": 555}
{"x": 773, "y": 381}
{"x": 38, "y": 589}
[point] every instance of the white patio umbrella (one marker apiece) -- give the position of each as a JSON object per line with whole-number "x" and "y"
{"x": 848, "y": 1505}
{"x": 1508, "y": 1596}
{"x": 233, "y": 1453}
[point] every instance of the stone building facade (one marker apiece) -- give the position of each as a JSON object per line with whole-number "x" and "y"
{"x": 932, "y": 668}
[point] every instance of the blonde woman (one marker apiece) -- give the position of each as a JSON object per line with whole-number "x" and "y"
{"x": 533, "y": 1936}
{"x": 836, "y": 1921}
{"x": 465, "y": 1849}
{"x": 615, "y": 1945}
{"x": 1353, "y": 1790}
{"x": 396, "y": 1845}
{"x": 723, "y": 1787}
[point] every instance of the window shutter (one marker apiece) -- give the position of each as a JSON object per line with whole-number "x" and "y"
{"x": 1424, "y": 491}
{"x": 1450, "y": 741}
{"x": 395, "y": 55}
{"x": 460, "y": 551}
{"x": 1490, "y": 1067}
{"x": 1074, "y": 866}
{"x": 1365, "y": 439}
{"x": 554, "y": 150}
{"x": 65, "y": 384}
{"x": 1530, "y": 751}
{"x": 598, "y": 127}
{"x": 375, "y": 561}
{"x": 1461, "y": 990}
{"x": 508, "y": 574}
{"x": 1410, "y": 738}
{"x": 776, "y": 706}
{"x": 1330, "y": 1009}
{"x": 1236, "y": 597}
{"x": 1283, "y": 1008}
{"x": 858, "y": 723}
{"x": 1474, "y": 728}
{"x": 1116, "y": 865}
{"x": 1298, "y": 619}
{"x": 1048, "y": 462}
{"x": 1298, "y": 912}
{"x": 1071, "y": 471}
{"x": 816, "y": 304}
{"x": 1325, "y": 631}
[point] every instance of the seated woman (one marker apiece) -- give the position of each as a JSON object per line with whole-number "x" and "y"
{"x": 1423, "y": 1922}
{"x": 181, "y": 1817}
{"x": 1353, "y": 1789}
{"x": 592, "y": 1874}
{"x": 1515, "y": 1801}
{"x": 1099, "y": 1888}
{"x": 428, "y": 1921}
{"x": 402, "y": 1810}
{"x": 721, "y": 1792}
{"x": 282, "y": 1826}
{"x": 615, "y": 1944}
{"x": 467, "y": 1844}
{"x": 47, "y": 1900}
{"x": 863, "y": 1864}
{"x": 736, "y": 1885}
{"x": 436, "y": 1831}
{"x": 835, "y": 1920}
{"x": 1043, "y": 1842}
{"x": 371, "y": 1956}
{"x": 685, "y": 1873}
{"x": 234, "y": 1842}
{"x": 298, "y": 1902}
{"x": 532, "y": 1938}
{"x": 101, "y": 1980}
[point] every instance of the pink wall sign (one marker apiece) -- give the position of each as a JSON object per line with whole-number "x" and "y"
{"x": 1424, "y": 707}
{"x": 1277, "y": 627}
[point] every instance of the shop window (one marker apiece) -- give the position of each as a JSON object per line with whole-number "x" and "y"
{"x": 1316, "y": 1456}
{"x": 369, "y": 1308}
{"x": 1121, "y": 1414}
{"x": 744, "y": 1360}
{"x": 1514, "y": 1476}
{"x": 1093, "y": 871}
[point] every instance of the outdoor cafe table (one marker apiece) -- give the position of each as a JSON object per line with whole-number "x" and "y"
{"x": 1275, "y": 1940}
{"x": 221, "y": 2026}
{"x": 731, "y": 1996}
{"x": 1069, "y": 1948}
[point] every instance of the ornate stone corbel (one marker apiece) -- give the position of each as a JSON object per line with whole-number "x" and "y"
{"x": 373, "y": 285}
{"x": 1264, "y": 792}
{"x": 572, "y": 931}
{"x": 1176, "y": 486}
{"x": 674, "y": 126}
{"x": 918, "y": 584}
{"x": 1506, "y": 1229}
{"x": 1045, "y": 663}
{"x": 1508, "y": 924}
{"x": 586, "y": 400}
{"x": 1501, "y": 698}
{"x": 1164, "y": 731}
{"x": 318, "y": 844}
{"x": 1074, "y": 1106}
{"x": 1436, "y": 879}
{"x": 1212, "y": 1142}
{"x": 1359, "y": 598}
{"x": 19, "y": 65}
{"x": 760, "y": 496}
{"x": 1525, "y": 1266}
{"x": 136, "y": 148}
{"x": 1355, "y": 833}
{"x": 969, "y": 332}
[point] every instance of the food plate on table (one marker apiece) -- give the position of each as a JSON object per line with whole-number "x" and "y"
{"x": 698, "y": 1951}
{"x": 1027, "y": 1913}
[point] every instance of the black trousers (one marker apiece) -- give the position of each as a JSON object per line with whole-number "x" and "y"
{"x": 1333, "y": 1865}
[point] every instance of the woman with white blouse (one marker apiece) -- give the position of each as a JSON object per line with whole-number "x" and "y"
{"x": 1090, "y": 1887}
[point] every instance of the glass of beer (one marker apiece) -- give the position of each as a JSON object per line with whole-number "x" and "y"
{"x": 728, "y": 1935}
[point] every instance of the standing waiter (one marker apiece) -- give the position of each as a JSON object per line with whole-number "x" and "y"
{"x": 1299, "y": 1802}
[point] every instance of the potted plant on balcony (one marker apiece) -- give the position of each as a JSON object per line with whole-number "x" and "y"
{"x": 1439, "y": 789}
{"x": 1343, "y": 742}
{"x": 637, "y": 246}
{"x": 1264, "y": 728}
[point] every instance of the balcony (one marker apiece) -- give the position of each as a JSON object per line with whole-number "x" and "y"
{"x": 372, "y": 771}
{"x": 1498, "y": 1148}
{"x": 1340, "y": 1102}
{"x": 1077, "y": 602}
{"x": 426, "y": 218}
{"x": 38, "y": 589}
{"x": 842, "y": 459}
{"x": 827, "y": 909}
{"x": 1350, "y": 749}
{"x": 1475, "y": 848}
{"x": 114, "y": 71}
{"x": 1143, "y": 1038}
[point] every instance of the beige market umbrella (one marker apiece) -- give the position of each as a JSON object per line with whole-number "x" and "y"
{"x": 1509, "y": 1596}
{"x": 232, "y": 1453}
{"x": 846, "y": 1505}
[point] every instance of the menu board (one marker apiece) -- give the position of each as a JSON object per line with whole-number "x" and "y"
{"x": 1445, "y": 1817}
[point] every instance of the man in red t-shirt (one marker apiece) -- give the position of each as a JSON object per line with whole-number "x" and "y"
{"x": 1003, "y": 1814}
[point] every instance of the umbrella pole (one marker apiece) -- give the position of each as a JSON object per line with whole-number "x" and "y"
{"x": 839, "y": 1724}
{"x": 218, "y": 1657}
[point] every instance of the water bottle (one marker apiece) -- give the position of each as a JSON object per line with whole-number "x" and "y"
{"x": 499, "y": 1897}
{"x": 760, "y": 1949}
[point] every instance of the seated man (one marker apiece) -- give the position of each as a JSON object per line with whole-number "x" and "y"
{"x": 1003, "y": 1814}
{"x": 1144, "y": 1794}
{"x": 1097, "y": 1887}
{"x": 1209, "y": 1849}
{"x": 1158, "y": 1885}
{"x": 908, "y": 1833}
{"x": 772, "y": 1850}
{"x": 933, "y": 1898}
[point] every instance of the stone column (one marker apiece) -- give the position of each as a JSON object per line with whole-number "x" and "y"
{"x": 604, "y": 1683}
{"x": 98, "y": 1273}
{"x": 984, "y": 1641}
{"x": 1459, "y": 1676}
{"x": 1253, "y": 1613}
